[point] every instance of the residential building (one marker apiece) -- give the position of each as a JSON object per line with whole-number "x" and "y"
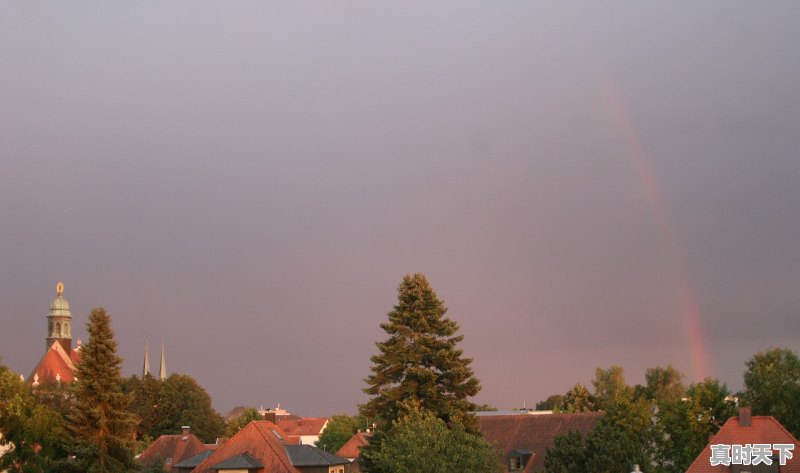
{"x": 309, "y": 459}
{"x": 173, "y": 449}
{"x": 747, "y": 429}
{"x": 521, "y": 441}
{"x": 305, "y": 429}
{"x": 352, "y": 448}
{"x": 261, "y": 447}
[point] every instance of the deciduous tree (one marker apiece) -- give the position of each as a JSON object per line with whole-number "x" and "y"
{"x": 182, "y": 401}
{"x": 420, "y": 441}
{"x": 610, "y": 387}
{"x": 32, "y": 431}
{"x": 237, "y": 423}
{"x": 578, "y": 399}
{"x": 338, "y": 431}
{"x": 772, "y": 386}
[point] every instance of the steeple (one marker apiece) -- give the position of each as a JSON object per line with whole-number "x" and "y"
{"x": 146, "y": 368}
{"x": 59, "y": 321}
{"x": 162, "y": 371}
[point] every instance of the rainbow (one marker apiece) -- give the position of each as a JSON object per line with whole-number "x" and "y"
{"x": 673, "y": 252}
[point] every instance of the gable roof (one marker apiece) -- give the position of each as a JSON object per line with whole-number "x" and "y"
{"x": 259, "y": 439}
{"x": 536, "y": 433}
{"x": 54, "y": 366}
{"x": 308, "y": 455}
{"x": 303, "y": 425}
{"x": 762, "y": 429}
{"x": 176, "y": 448}
{"x": 352, "y": 448}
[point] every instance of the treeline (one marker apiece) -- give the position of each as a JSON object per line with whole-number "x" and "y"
{"x": 663, "y": 425}
{"x": 101, "y": 420}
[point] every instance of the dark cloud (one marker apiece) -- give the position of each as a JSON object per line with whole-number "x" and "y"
{"x": 250, "y": 182}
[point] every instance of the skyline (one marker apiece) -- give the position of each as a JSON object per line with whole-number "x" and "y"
{"x": 583, "y": 185}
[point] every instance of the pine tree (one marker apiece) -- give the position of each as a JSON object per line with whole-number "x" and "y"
{"x": 419, "y": 361}
{"x": 100, "y": 422}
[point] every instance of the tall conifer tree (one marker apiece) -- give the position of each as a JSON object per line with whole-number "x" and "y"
{"x": 420, "y": 361}
{"x": 100, "y": 422}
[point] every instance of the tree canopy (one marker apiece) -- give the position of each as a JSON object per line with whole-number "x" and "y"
{"x": 102, "y": 426}
{"x": 420, "y": 441}
{"x": 249, "y": 414}
{"x": 772, "y": 386}
{"x": 33, "y": 431}
{"x": 420, "y": 361}
{"x": 661, "y": 426}
{"x": 182, "y": 401}
{"x": 339, "y": 430}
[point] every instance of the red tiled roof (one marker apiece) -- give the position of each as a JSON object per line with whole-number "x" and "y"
{"x": 352, "y": 448}
{"x": 257, "y": 439}
{"x": 303, "y": 425}
{"x": 175, "y": 448}
{"x": 534, "y": 432}
{"x": 75, "y": 355}
{"x": 54, "y": 365}
{"x": 763, "y": 429}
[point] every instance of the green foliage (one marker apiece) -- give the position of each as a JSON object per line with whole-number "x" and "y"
{"x": 685, "y": 425}
{"x": 485, "y": 408}
{"x": 158, "y": 466}
{"x": 236, "y": 424}
{"x": 34, "y": 431}
{"x": 163, "y": 407}
{"x": 145, "y": 392}
{"x": 182, "y": 401}
{"x": 621, "y": 438}
{"x": 659, "y": 426}
{"x": 420, "y": 441}
{"x": 339, "y": 430}
{"x": 772, "y": 386}
{"x": 554, "y": 402}
{"x": 610, "y": 387}
{"x": 664, "y": 385}
{"x": 419, "y": 361}
{"x": 99, "y": 420}
{"x": 578, "y": 399}
{"x": 567, "y": 455}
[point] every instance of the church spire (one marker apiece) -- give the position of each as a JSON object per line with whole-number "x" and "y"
{"x": 146, "y": 368}
{"x": 162, "y": 371}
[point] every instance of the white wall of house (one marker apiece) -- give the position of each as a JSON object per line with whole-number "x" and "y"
{"x": 308, "y": 439}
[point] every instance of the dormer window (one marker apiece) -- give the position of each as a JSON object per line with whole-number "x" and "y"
{"x": 519, "y": 458}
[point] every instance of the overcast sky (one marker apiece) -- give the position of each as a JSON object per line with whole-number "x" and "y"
{"x": 250, "y": 181}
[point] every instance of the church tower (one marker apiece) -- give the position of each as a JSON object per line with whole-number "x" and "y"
{"x": 59, "y": 322}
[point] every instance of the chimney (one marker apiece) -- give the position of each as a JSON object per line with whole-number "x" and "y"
{"x": 270, "y": 416}
{"x": 185, "y": 429}
{"x": 745, "y": 417}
